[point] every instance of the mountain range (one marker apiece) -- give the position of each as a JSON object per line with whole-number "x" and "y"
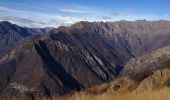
{"x": 58, "y": 61}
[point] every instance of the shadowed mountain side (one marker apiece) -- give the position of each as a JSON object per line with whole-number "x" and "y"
{"x": 54, "y": 68}
{"x": 12, "y": 35}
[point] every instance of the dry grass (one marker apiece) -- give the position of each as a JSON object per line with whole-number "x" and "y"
{"x": 163, "y": 94}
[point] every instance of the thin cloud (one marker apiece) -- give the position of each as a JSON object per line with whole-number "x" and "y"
{"x": 115, "y": 14}
{"x": 73, "y": 11}
{"x": 80, "y": 10}
{"x": 6, "y": 9}
{"x": 106, "y": 18}
{"x": 12, "y": 18}
{"x": 67, "y": 16}
{"x": 40, "y": 22}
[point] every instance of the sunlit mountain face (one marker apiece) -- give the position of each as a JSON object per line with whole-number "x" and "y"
{"x": 69, "y": 50}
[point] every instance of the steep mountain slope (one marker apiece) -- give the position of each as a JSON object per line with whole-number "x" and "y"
{"x": 84, "y": 54}
{"x": 136, "y": 37}
{"x": 11, "y": 35}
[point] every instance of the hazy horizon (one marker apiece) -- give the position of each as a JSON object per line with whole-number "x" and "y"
{"x": 54, "y": 13}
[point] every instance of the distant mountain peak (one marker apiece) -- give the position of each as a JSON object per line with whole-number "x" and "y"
{"x": 5, "y": 22}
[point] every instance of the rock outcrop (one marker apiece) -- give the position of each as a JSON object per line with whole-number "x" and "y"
{"x": 141, "y": 67}
{"x": 159, "y": 79}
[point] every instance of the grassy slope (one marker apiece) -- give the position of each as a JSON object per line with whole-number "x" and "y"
{"x": 162, "y": 94}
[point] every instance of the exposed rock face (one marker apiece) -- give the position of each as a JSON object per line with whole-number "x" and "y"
{"x": 136, "y": 37}
{"x": 122, "y": 84}
{"x": 140, "y": 68}
{"x": 85, "y": 54}
{"x": 159, "y": 79}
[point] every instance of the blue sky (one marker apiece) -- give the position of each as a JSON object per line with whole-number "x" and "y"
{"x": 53, "y": 13}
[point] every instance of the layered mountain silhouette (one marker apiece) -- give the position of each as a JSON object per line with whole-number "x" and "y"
{"x": 85, "y": 54}
{"x": 11, "y": 35}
